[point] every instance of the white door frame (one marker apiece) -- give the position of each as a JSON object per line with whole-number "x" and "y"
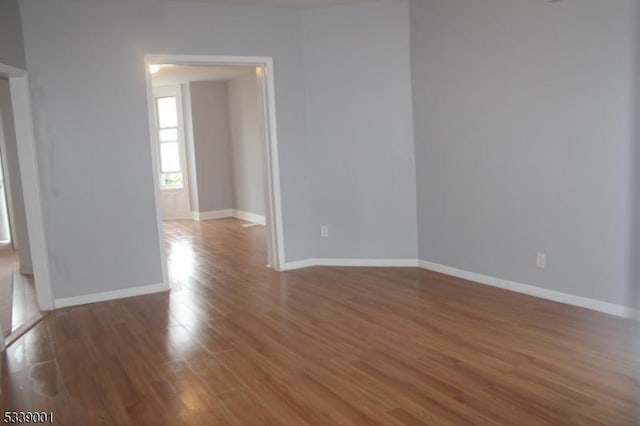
{"x": 28, "y": 161}
{"x": 273, "y": 208}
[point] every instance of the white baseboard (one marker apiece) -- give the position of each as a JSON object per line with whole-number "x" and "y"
{"x": 110, "y": 295}
{"x": 213, "y": 214}
{"x": 557, "y": 296}
{"x": 372, "y": 263}
{"x": 221, "y": 214}
{"x": 250, "y": 217}
{"x": 298, "y": 264}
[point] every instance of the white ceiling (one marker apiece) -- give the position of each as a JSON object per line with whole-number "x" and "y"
{"x": 289, "y": 3}
{"x": 179, "y": 74}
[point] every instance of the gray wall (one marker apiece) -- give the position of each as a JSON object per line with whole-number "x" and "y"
{"x": 185, "y": 88}
{"x": 212, "y": 143}
{"x": 247, "y": 143}
{"x": 89, "y": 102}
{"x": 12, "y": 169}
{"x": 523, "y": 122}
{"x": 634, "y": 158}
{"x": 11, "y": 42}
{"x": 359, "y": 123}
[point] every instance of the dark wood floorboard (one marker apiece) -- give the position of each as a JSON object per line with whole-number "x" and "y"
{"x": 235, "y": 343}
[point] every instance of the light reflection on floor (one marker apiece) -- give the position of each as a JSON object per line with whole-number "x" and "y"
{"x": 180, "y": 260}
{"x": 181, "y": 268}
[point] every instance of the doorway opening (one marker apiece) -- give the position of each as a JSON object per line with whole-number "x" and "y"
{"x": 214, "y": 144}
{"x": 24, "y": 270}
{"x": 8, "y": 256}
{"x": 5, "y": 227}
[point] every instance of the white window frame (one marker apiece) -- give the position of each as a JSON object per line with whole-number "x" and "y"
{"x": 165, "y": 92}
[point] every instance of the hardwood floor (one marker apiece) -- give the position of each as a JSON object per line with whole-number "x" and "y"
{"x": 235, "y": 343}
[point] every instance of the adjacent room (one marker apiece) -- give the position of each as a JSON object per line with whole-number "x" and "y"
{"x": 210, "y": 128}
{"x": 313, "y": 212}
{"x": 18, "y": 305}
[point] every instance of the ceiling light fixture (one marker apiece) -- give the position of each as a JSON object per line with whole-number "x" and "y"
{"x": 154, "y": 68}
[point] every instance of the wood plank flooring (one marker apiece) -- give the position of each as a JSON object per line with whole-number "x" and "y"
{"x": 235, "y": 343}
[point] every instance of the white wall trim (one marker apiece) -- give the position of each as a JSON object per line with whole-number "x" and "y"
{"x": 213, "y": 214}
{"x": 543, "y": 293}
{"x": 110, "y": 295}
{"x": 250, "y": 217}
{"x": 29, "y": 175}
{"x": 299, "y": 264}
{"x": 221, "y": 214}
{"x": 371, "y": 263}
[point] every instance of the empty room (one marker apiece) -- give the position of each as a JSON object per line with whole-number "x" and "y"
{"x": 393, "y": 212}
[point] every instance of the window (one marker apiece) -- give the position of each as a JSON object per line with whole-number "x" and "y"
{"x": 170, "y": 164}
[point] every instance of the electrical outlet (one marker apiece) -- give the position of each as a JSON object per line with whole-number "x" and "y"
{"x": 541, "y": 260}
{"x": 324, "y": 231}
